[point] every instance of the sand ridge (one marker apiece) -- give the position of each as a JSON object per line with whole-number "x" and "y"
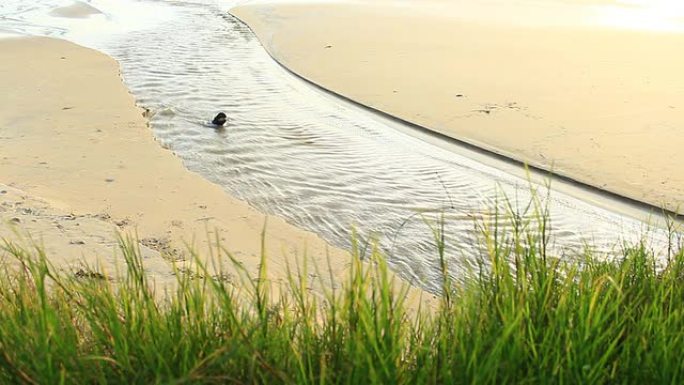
{"x": 77, "y": 10}
{"x": 599, "y": 105}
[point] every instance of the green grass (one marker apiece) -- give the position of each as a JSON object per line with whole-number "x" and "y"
{"x": 522, "y": 317}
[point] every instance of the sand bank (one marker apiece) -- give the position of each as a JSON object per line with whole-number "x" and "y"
{"x": 77, "y": 10}
{"x": 597, "y": 103}
{"x": 78, "y": 163}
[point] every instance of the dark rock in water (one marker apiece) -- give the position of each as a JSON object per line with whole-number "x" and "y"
{"x": 219, "y": 120}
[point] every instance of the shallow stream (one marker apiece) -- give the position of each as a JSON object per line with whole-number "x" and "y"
{"x": 292, "y": 150}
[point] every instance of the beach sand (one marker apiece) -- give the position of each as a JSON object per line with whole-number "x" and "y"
{"x": 78, "y": 164}
{"x": 599, "y": 104}
{"x": 77, "y": 10}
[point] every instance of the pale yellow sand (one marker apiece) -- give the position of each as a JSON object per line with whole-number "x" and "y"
{"x": 78, "y": 163}
{"x": 554, "y": 86}
{"x": 77, "y": 10}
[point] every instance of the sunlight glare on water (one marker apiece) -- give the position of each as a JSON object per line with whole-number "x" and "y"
{"x": 654, "y": 15}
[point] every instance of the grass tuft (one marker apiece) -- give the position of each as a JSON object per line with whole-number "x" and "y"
{"x": 524, "y": 318}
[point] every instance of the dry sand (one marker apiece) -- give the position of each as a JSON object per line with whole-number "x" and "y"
{"x": 78, "y": 163}
{"x": 547, "y": 86}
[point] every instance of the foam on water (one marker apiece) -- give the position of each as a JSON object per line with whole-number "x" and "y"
{"x": 117, "y": 17}
{"x": 294, "y": 151}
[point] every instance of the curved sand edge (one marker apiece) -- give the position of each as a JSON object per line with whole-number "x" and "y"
{"x": 79, "y": 163}
{"x": 626, "y": 149}
{"x": 77, "y": 10}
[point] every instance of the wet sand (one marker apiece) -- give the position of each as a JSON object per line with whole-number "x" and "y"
{"x": 76, "y": 10}
{"x": 78, "y": 164}
{"x": 598, "y": 104}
